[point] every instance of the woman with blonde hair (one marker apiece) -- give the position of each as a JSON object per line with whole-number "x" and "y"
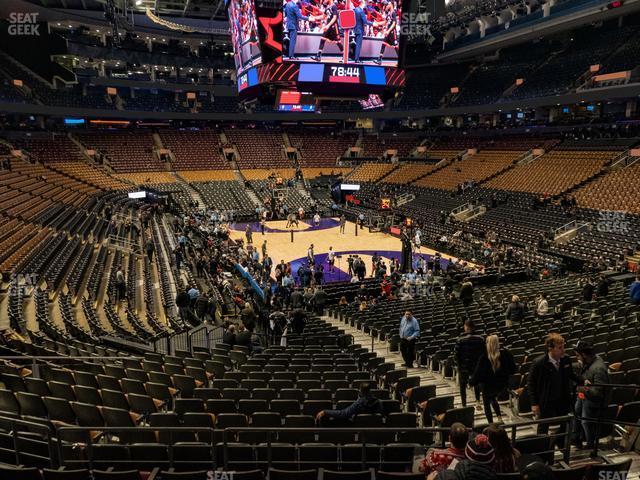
{"x": 492, "y": 374}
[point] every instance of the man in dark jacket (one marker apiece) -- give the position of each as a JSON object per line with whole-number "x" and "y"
{"x": 201, "y": 306}
{"x": 469, "y": 348}
{"x": 248, "y": 316}
{"x": 319, "y": 300}
{"x": 590, "y": 399}
{"x": 466, "y": 292}
{"x": 183, "y": 302}
{"x": 149, "y": 248}
{"x": 550, "y": 380}
{"x": 515, "y": 311}
{"x": 308, "y": 299}
{"x": 229, "y": 337}
{"x": 366, "y": 403}
{"x": 602, "y": 288}
{"x": 588, "y": 290}
{"x": 297, "y": 299}
{"x": 243, "y": 337}
{"x": 298, "y": 320}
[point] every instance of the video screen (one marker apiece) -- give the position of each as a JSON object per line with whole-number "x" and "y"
{"x": 314, "y": 31}
{"x": 294, "y": 101}
{"x": 372, "y": 102}
{"x": 244, "y": 34}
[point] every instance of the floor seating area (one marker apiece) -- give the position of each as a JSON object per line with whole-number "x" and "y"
{"x": 225, "y": 195}
{"x": 291, "y": 197}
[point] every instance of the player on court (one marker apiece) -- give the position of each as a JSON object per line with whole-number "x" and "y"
{"x": 331, "y": 258}
{"x": 330, "y": 32}
{"x": 310, "y": 256}
{"x": 292, "y": 220}
{"x": 390, "y": 33}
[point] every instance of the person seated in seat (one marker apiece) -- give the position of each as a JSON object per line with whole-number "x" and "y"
{"x": 477, "y": 465}
{"x": 229, "y": 336}
{"x": 243, "y": 337}
{"x": 366, "y": 403}
{"x": 438, "y": 459}
{"x": 506, "y": 455}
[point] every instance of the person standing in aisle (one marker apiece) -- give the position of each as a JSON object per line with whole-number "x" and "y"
{"x": 468, "y": 350}
{"x": 409, "y": 333}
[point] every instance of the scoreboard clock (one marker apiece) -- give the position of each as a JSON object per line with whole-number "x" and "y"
{"x": 342, "y": 74}
{"x": 353, "y": 74}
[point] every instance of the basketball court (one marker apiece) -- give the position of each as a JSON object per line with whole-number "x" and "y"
{"x": 365, "y": 244}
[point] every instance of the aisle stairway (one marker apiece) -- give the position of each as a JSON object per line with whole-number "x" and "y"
{"x": 193, "y": 193}
{"x": 427, "y": 377}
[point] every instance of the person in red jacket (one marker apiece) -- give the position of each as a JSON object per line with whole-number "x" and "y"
{"x": 438, "y": 459}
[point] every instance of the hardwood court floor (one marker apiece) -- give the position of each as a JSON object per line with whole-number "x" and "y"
{"x": 280, "y": 247}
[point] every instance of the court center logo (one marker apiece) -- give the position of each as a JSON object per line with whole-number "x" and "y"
{"x": 23, "y": 24}
{"x": 611, "y": 221}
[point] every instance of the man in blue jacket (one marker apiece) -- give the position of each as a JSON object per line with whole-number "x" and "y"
{"x": 409, "y": 333}
{"x": 293, "y": 15}
{"x": 634, "y": 291}
{"x": 366, "y": 403}
{"x": 358, "y": 30}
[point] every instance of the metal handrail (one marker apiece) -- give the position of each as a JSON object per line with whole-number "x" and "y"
{"x": 32, "y": 427}
{"x": 227, "y": 440}
{"x": 461, "y": 208}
